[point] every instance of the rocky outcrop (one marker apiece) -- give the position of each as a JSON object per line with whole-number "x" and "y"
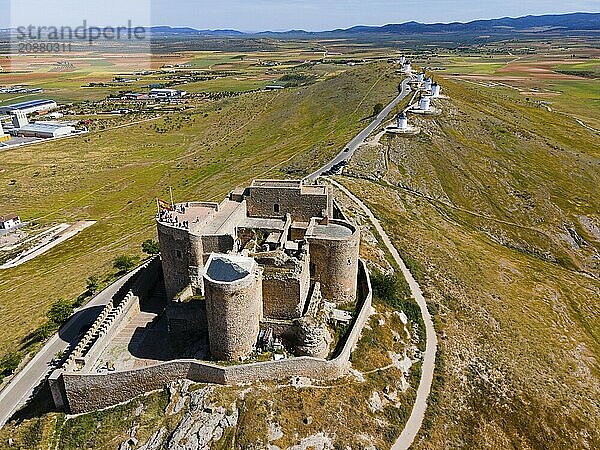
{"x": 203, "y": 424}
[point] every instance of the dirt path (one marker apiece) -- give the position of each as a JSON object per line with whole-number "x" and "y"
{"x": 413, "y": 425}
{"x": 61, "y": 235}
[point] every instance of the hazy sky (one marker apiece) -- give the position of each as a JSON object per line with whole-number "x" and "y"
{"x": 254, "y": 15}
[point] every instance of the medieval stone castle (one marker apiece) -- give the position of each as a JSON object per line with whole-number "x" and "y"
{"x": 263, "y": 279}
{"x": 262, "y": 261}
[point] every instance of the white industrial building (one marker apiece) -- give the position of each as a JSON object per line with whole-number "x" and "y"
{"x": 45, "y": 130}
{"x": 10, "y": 221}
{"x": 3, "y": 135}
{"x": 167, "y": 93}
{"x": 29, "y": 107}
{"x": 19, "y": 119}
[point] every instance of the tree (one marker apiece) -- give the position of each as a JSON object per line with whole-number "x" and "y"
{"x": 93, "y": 284}
{"x": 150, "y": 247}
{"x": 124, "y": 263}
{"x": 60, "y": 312}
{"x": 377, "y": 108}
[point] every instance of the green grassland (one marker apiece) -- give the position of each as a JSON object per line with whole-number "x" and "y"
{"x": 588, "y": 69}
{"x": 114, "y": 176}
{"x": 489, "y": 204}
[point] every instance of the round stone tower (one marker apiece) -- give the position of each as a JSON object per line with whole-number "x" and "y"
{"x": 233, "y": 291}
{"x": 181, "y": 246}
{"x": 334, "y": 251}
{"x": 176, "y": 257}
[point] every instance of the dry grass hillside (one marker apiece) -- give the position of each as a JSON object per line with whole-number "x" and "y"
{"x": 496, "y": 208}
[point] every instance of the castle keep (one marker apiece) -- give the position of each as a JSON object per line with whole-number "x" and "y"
{"x": 266, "y": 277}
{"x": 261, "y": 263}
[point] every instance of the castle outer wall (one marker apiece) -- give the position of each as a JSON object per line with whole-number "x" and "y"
{"x": 85, "y": 392}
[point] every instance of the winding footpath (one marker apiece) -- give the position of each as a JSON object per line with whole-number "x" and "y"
{"x": 413, "y": 425}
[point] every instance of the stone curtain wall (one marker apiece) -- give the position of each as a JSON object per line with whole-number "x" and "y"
{"x": 89, "y": 392}
{"x": 302, "y": 207}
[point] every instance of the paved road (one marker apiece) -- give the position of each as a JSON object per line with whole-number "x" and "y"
{"x": 16, "y": 393}
{"x": 363, "y": 135}
{"x": 413, "y": 425}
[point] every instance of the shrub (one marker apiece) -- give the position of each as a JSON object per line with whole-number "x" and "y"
{"x": 60, "y": 312}
{"x": 377, "y": 108}
{"x": 10, "y": 362}
{"x": 124, "y": 263}
{"x": 150, "y": 247}
{"x": 93, "y": 284}
{"x": 41, "y": 333}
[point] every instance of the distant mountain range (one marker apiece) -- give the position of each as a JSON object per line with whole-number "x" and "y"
{"x": 588, "y": 22}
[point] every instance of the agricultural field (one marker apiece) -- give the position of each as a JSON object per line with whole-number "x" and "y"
{"x": 91, "y": 76}
{"x": 562, "y": 79}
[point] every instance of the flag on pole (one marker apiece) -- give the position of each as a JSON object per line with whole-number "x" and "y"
{"x": 164, "y": 205}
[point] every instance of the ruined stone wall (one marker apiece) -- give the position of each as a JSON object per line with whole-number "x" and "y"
{"x": 282, "y": 329}
{"x": 216, "y": 244}
{"x": 178, "y": 256}
{"x": 262, "y": 203}
{"x": 187, "y": 321}
{"x": 234, "y": 311}
{"x": 89, "y": 392}
{"x": 285, "y": 287}
{"x": 335, "y": 265}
